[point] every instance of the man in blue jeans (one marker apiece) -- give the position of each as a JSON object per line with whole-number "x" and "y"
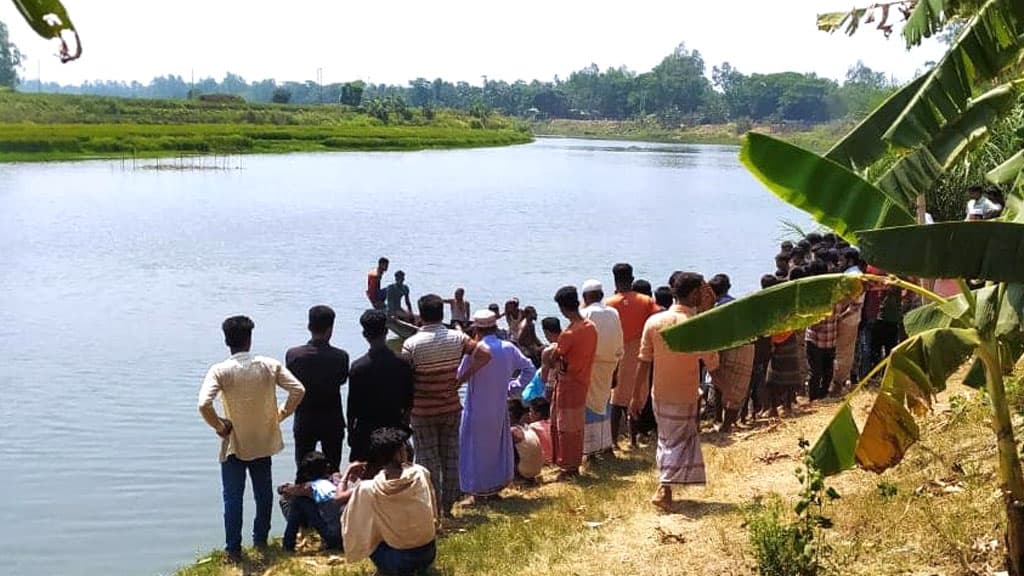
{"x": 250, "y": 429}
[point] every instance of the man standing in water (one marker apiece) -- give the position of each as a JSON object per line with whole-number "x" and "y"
{"x": 573, "y": 358}
{"x": 597, "y": 436}
{"x": 675, "y": 391}
{"x": 373, "y": 279}
{"x": 250, "y": 429}
{"x": 435, "y": 353}
{"x": 323, "y": 370}
{"x": 634, "y": 309}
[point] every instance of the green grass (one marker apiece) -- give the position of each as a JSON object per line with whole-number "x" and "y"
{"x": 531, "y": 524}
{"x": 62, "y": 127}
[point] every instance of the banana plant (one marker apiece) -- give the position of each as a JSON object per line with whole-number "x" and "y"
{"x": 982, "y": 324}
{"x": 50, "y": 20}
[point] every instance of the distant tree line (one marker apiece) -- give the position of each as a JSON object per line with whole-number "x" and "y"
{"x": 677, "y": 91}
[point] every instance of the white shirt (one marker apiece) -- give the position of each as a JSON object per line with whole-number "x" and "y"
{"x": 609, "y": 331}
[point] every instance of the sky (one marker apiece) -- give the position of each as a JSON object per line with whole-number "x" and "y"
{"x": 399, "y": 40}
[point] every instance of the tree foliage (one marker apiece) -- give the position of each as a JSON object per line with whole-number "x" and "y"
{"x": 10, "y": 59}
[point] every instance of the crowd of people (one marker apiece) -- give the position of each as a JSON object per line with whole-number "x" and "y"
{"x": 602, "y": 375}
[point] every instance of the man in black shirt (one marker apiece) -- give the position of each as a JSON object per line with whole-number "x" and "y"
{"x": 323, "y": 370}
{"x": 380, "y": 391}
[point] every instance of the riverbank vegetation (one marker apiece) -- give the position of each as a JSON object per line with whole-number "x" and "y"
{"x": 57, "y": 127}
{"x": 818, "y": 137}
{"x": 934, "y": 515}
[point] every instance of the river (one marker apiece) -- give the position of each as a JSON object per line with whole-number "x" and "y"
{"x": 114, "y": 280}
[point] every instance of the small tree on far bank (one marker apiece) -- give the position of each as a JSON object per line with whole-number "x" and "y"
{"x": 10, "y": 59}
{"x": 281, "y": 95}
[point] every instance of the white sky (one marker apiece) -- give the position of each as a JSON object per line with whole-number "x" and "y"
{"x": 398, "y": 40}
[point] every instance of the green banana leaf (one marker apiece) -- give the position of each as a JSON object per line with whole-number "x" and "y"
{"x": 1007, "y": 171}
{"x": 833, "y": 195}
{"x": 989, "y": 45}
{"x": 788, "y": 306}
{"x": 952, "y": 314}
{"x": 985, "y": 250}
{"x": 929, "y": 17}
{"x": 50, "y": 19}
{"x": 863, "y": 145}
{"x": 917, "y": 172}
{"x": 834, "y": 450}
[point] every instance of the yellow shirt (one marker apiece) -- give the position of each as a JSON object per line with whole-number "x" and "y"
{"x": 247, "y": 386}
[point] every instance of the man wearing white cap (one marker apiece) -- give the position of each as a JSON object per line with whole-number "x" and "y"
{"x": 486, "y": 460}
{"x": 597, "y": 433}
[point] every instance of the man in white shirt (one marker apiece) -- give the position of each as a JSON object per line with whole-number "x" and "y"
{"x": 250, "y": 428}
{"x": 597, "y": 431}
{"x": 979, "y": 206}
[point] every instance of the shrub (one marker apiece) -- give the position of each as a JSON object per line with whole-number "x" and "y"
{"x": 794, "y": 547}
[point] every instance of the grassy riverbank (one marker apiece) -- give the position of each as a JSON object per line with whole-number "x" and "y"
{"x": 818, "y": 138}
{"x": 931, "y": 515}
{"x": 62, "y": 127}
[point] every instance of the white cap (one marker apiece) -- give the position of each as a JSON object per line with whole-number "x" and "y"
{"x": 485, "y": 319}
{"x": 591, "y": 286}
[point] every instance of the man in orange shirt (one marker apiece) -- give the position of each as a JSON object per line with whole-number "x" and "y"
{"x": 675, "y": 390}
{"x": 573, "y": 357}
{"x": 373, "y": 291}
{"x": 634, "y": 309}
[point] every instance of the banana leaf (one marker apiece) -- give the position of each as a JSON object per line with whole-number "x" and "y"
{"x": 988, "y": 46}
{"x": 1007, "y": 171}
{"x": 917, "y": 172}
{"x": 929, "y": 17}
{"x": 915, "y": 371}
{"x": 50, "y": 19}
{"x": 834, "y": 450}
{"x": 833, "y": 195}
{"x": 788, "y": 306}
{"x": 888, "y": 432}
{"x": 985, "y": 250}
{"x": 951, "y": 314}
{"x": 863, "y": 145}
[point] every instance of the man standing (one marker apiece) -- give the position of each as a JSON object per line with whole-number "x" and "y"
{"x": 597, "y": 436}
{"x": 848, "y": 325}
{"x": 380, "y": 388}
{"x": 634, "y": 309}
{"x": 250, "y": 429}
{"x": 486, "y": 460}
{"x": 732, "y": 378}
{"x": 435, "y": 353}
{"x": 573, "y": 358}
{"x": 395, "y": 294}
{"x": 676, "y": 396}
{"x": 323, "y": 370}
{"x": 373, "y": 291}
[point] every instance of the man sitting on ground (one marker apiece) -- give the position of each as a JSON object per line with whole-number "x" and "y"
{"x": 392, "y": 519}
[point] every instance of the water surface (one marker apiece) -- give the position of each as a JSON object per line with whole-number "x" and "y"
{"x": 113, "y": 283}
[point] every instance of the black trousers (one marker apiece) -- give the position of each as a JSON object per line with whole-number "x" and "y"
{"x": 884, "y": 337}
{"x": 822, "y": 364}
{"x": 329, "y": 433}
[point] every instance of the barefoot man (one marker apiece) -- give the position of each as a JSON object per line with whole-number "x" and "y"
{"x": 675, "y": 391}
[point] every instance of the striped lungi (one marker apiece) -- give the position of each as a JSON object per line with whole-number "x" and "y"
{"x": 679, "y": 457}
{"x": 732, "y": 377}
